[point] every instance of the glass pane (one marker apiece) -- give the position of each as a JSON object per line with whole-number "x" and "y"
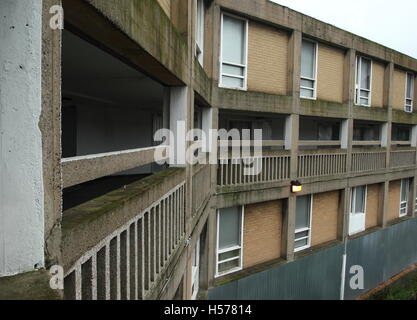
{"x": 223, "y": 267}
{"x": 300, "y": 243}
{"x": 307, "y": 93}
{"x": 404, "y": 190}
{"x": 325, "y": 133}
{"x": 364, "y": 101}
{"x": 307, "y": 83}
{"x": 300, "y": 235}
{"x": 308, "y": 59}
{"x": 233, "y": 40}
{"x": 365, "y": 74}
{"x": 364, "y": 94}
{"x": 229, "y": 227}
{"x": 303, "y": 212}
{"x": 360, "y": 200}
{"x": 232, "y": 82}
{"x": 410, "y": 84}
{"x": 236, "y": 71}
{"x": 229, "y": 255}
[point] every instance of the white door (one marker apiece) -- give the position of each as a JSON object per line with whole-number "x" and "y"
{"x": 357, "y": 210}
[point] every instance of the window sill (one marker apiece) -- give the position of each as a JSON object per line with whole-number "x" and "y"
{"x": 233, "y": 88}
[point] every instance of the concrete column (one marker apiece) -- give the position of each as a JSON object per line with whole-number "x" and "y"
{"x": 212, "y": 245}
{"x": 412, "y": 197}
{"x": 291, "y": 139}
{"x": 388, "y": 100}
{"x": 386, "y": 132}
{"x": 344, "y": 214}
{"x": 349, "y": 84}
{"x": 383, "y": 204}
{"x": 178, "y": 125}
{"x": 50, "y": 126}
{"x": 22, "y": 191}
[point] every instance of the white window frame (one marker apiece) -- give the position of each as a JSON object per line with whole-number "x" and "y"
{"x": 352, "y": 209}
{"x": 314, "y": 89}
{"x": 195, "y": 271}
{"x": 199, "y": 30}
{"x": 308, "y": 229}
{"x": 409, "y": 101}
{"x": 218, "y": 251}
{"x": 358, "y": 89}
{"x": 243, "y": 66}
{"x": 404, "y": 203}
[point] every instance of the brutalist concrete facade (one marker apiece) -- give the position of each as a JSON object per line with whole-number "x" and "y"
{"x": 160, "y": 42}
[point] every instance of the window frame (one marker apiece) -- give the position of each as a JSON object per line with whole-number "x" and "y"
{"x": 316, "y": 60}
{"x": 406, "y": 104}
{"x": 218, "y": 251}
{"x": 243, "y": 66}
{"x": 404, "y": 204}
{"x": 358, "y": 87}
{"x": 199, "y": 30}
{"x": 353, "y": 201}
{"x": 308, "y": 229}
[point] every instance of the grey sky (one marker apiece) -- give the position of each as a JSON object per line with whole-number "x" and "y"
{"x": 388, "y": 22}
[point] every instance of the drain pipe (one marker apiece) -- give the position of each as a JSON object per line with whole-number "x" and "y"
{"x": 342, "y": 284}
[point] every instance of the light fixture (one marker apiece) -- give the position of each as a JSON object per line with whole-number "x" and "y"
{"x": 296, "y": 186}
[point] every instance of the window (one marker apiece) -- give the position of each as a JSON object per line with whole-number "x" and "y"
{"x": 233, "y": 53}
{"x": 195, "y": 271}
{"x": 357, "y": 210}
{"x": 405, "y": 190}
{"x": 229, "y": 240}
{"x": 308, "y": 69}
{"x": 199, "y": 30}
{"x": 363, "y": 81}
{"x": 302, "y": 239}
{"x": 409, "y": 95}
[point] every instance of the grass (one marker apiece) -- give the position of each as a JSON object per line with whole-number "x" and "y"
{"x": 403, "y": 289}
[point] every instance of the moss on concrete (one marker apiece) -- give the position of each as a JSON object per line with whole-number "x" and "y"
{"x": 28, "y": 286}
{"x": 93, "y": 209}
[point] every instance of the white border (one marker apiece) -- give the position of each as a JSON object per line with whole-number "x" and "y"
{"x": 408, "y": 197}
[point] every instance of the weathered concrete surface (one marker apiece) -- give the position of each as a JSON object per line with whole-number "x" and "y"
{"x": 21, "y": 182}
{"x": 137, "y": 30}
{"x": 88, "y": 168}
{"x": 50, "y": 126}
{"x": 85, "y": 226}
{"x": 28, "y": 286}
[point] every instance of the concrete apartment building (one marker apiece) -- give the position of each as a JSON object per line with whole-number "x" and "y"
{"x": 80, "y": 188}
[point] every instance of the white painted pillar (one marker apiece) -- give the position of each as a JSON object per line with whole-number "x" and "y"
{"x": 21, "y": 177}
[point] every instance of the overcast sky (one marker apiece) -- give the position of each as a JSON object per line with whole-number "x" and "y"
{"x": 392, "y": 23}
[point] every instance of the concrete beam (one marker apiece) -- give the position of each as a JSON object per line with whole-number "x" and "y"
{"x": 137, "y": 31}
{"x": 87, "y": 168}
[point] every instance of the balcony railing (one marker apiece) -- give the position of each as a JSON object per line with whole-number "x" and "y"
{"x": 128, "y": 263}
{"x": 368, "y": 160}
{"x": 321, "y": 158}
{"x": 321, "y": 163}
{"x": 403, "y": 158}
{"x": 271, "y": 167}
